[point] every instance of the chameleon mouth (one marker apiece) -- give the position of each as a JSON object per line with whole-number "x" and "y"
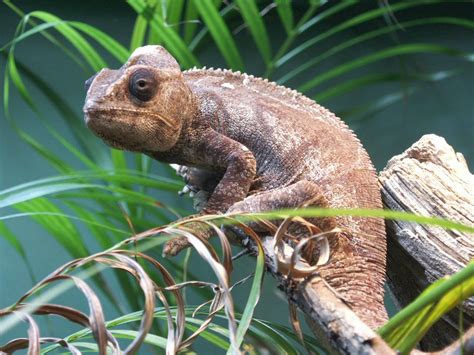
{"x": 111, "y": 113}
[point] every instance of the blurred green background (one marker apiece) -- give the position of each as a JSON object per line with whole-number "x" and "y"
{"x": 443, "y": 106}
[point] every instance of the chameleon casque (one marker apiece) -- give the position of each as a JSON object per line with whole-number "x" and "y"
{"x": 259, "y": 146}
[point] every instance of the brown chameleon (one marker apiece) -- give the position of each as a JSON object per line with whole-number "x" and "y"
{"x": 255, "y": 146}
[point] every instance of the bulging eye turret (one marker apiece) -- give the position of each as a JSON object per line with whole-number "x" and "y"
{"x": 143, "y": 85}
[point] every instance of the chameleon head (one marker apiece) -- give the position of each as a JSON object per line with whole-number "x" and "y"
{"x": 141, "y": 106}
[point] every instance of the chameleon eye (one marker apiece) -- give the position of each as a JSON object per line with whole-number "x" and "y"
{"x": 143, "y": 85}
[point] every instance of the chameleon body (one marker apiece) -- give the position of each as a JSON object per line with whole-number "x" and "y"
{"x": 259, "y": 146}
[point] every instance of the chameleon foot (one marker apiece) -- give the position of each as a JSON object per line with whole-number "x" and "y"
{"x": 174, "y": 246}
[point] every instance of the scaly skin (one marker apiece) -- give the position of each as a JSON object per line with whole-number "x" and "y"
{"x": 267, "y": 146}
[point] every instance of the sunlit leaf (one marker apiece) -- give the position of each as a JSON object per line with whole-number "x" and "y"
{"x": 403, "y": 49}
{"x": 170, "y": 38}
{"x": 406, "y": 328}
{"x": 286, "y": 14}
{"x": 256, "y": 26}
{"x": 220, "y": 33}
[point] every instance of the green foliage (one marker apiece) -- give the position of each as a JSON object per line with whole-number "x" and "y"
{"x": 111, "y": 198}
{"x": 407, "y": 327}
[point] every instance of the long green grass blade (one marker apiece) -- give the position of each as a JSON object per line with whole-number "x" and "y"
{"x": 12, "y": 74}
{"x": 58, "y": 227}
{"x": 352, "y": 85}
{"x": 58, "y": 163}
{"x": 26, "y": 19}
{"x": 33, "y": 193}
{"x": 251, "y": 15}
{"x": 139, "y": 32}
{"x": 253, "y": 298}
{"x": 225, "y": 12}
{"x": 89, "y": 144}
{"x": 355, "y": 21}
{"x": 112, "y": 46}
{"x": 174, "y": 12}
{"x": 131, "y": 177}
{"x": 75, "y": 38}
{"x": 190, "y": 22}
{"x": 303, "y": 24}
{"x": 220, "y": 33}
{"x": 35, "y": 30}
{"x": 170, "y": 38}
{"x": 11, "y": 238}
{"x": 156, "y": 341}
{"x": 407, "y": 327}
{"x": 370, "y": 35}
{"x": 359, "y": 212}
{"x": 366, "y": 110}
{"x": 86, "y": 221}
{"x": 403, "y": 49}
{"x": 285, "y": 12}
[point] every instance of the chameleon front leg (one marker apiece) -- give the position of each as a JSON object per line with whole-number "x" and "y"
{"x": 300, "y": 194}
{"x": 221, "y": 153}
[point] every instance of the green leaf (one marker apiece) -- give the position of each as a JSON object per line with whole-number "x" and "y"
{"x": 366, "y": 110}
{"x": 112, "y": 46}
{"x": 152, "y": 339}
{"x": 370, "y": 35}
{"x": 251, "y": 15}
{"x": 303, "y": 24}
{"x": 138, "y": 34}
{"x": 285, "y": 12}
{"x": 220, "y": 33}
{"x": 6, "y": 234}
{"x": 59, "y": 227}
{"x": 118, "y": 159}
{"x": 358, "y": 212}
{"x": 225, "y": 12}
{"x": 174, "y": 11}
{"x": 33, "y": 193}
{"x": 351, "y": 85}
{"x": 13, "y": 74}
{"x": 253, "y": 298}
{"x": 87, "y": 221}
{"x": 88, "y": 52}
{"x": 35, "y": 30}
{"x": 354, "y": 21}
{"x": 190, "y": 22}
{"x": 406, "y": 328}
{"x": 403, "y": 49}
{"x": 93, "y": 148}
{"x": 174, "y": 44}
{"x": 58, "y": 163}
{"x": 55, "y": 185}
{"x": 26, "y": 19}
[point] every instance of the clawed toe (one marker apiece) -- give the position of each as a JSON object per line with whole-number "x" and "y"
{"x": 174, "y": 246}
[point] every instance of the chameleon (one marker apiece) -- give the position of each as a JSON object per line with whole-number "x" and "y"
{"x": 254, "y": 146}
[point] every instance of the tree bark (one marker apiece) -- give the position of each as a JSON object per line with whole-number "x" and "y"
{"x": 429, "y": 179}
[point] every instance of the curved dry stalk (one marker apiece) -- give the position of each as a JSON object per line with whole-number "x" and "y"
{"x": 33, "y": 341}
{"x": 21, "y": 343}
{"x": 220, "y": 273}
{"x": 177, "y": 333}
{"x": 147, "y": 285}
{"x": 127, "y": 260}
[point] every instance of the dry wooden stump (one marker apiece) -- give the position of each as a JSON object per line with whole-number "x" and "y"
{"x": 429, "y": 179}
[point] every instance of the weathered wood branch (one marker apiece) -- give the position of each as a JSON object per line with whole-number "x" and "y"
{"x": 429, "y": 179}
{"x": 338, "y": 328}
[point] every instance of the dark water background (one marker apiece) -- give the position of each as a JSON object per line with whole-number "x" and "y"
{"x": 445, "y": 108}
